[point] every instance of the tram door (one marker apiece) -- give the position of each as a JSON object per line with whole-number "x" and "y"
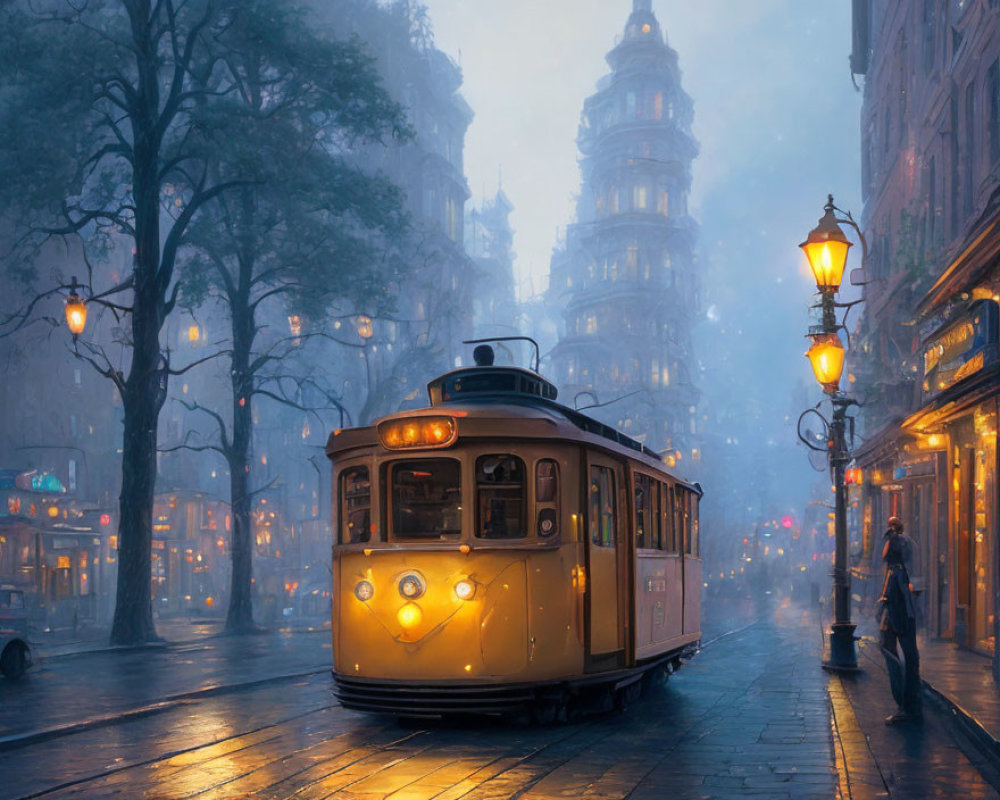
{"x": 606, "y": 540}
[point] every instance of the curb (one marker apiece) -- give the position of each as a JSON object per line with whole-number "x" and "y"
{"x": 967, "y": 723}
{"x": 17, "y": 740}
{"x": 41, "y": 655}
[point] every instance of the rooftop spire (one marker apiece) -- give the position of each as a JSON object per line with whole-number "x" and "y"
{"x": 642, "y": 5}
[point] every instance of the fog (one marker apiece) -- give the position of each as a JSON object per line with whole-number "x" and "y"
{"x": 775, "y": 119}
{"x": 776, "y": 116}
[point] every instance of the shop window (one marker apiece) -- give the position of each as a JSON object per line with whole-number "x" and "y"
{"x": 602, "y": 512}
{"x": 500, "y": 504}
{"x": 355, "y": 505}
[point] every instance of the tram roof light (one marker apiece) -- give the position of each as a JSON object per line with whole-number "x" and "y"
{"x": 407, "y": 434}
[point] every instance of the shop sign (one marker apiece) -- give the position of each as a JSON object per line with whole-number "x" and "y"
{"x": 963, "y": 348}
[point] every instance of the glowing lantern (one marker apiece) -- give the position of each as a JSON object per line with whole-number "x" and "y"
{"x": 194, "y": 334}
{"x": 826, "y": 355}
{"x": 53, "y": 511}
{"x": 365, "y": 329}
{"x": 76, "y": 311}
{"x": 826, "y": 248}
{"x": 105, "y": 519}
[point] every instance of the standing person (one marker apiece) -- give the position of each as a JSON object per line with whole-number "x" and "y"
{"x": 899, "y": 625}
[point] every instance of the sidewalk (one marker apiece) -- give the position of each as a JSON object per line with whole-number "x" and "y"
{"x": 956, "y": 679}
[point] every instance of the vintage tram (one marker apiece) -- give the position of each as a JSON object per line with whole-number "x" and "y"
{"x": 498, "y": 552}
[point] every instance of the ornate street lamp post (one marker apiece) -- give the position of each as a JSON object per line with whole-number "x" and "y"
{"x": 826, "y": 248}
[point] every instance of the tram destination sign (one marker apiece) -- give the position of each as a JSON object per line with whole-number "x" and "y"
{"x": 963, "y": 347}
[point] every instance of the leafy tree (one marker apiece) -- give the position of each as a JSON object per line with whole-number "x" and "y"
{"x": 306, "y": 225}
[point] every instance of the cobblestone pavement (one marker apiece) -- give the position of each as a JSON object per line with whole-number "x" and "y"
{"x": 752, "y": 715}
{"x": 73, "y": 688}
{"x": 913, "y": 760}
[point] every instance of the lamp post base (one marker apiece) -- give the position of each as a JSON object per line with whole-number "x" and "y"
{"x": 843, "y": 654}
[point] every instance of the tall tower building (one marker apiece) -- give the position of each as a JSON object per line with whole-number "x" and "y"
{"x": 625, "y": 279}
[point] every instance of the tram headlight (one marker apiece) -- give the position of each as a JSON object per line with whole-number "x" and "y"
{"x": 410, "y": 615}
{"x": 411, "y": 587}
{"x": 465, "y": 590}
{"x": 364, "y": 591}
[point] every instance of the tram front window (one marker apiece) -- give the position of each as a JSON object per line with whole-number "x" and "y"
{"x": 500, "y": 507}
{"x": 426, "y": 499}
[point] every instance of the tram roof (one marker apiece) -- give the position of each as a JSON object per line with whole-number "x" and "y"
{"x": 479, "y": 396}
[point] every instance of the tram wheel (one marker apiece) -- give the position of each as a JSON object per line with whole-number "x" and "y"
{"x": 548, "y": 709}
{"x": 628, "y": 695}
{"x": 654, "y": 680}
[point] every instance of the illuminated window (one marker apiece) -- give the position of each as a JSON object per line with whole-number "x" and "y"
{"x": 355, "y": 505}
{"x": 591, "y": 324}
{"x": 426, "y": 499}
{"x": 602, "y": 513}
{"x": 639, "y": 197}
{"x": 646, "y": 28}
{"x": 663, "y": 203}
{"x": 658, "y": 106}
{"x": 500, "y": 502}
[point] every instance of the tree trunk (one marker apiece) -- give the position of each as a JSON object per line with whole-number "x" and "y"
{"x": 143, "y": 396}
{"x": 145, "y": 389}
{"x": 240, "y": 616}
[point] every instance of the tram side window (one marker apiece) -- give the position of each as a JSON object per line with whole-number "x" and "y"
{"x": 655, "y": 534}
{"x": 355, "y": 505}
{"x": 426, "y": 499}
{"x": 643, "y": 512}
{"x": 501, "y": 489}
{"x": 602, "y": 507}
{"x": 547, "y": 497}
{"x": 695, "y": 543}
{"x": 685, "y": 509}
{"x": 672, "y": 517}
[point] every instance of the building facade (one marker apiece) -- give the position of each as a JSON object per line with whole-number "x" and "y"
{"x": 625, "y": 278}
{"x": 925, "y": 355}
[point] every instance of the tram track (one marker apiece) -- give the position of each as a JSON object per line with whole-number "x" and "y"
{"x": 14, "y": 741}
{"x": 370, "y": 753}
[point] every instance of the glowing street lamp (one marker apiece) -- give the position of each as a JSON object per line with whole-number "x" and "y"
{"x": 826, "y": 355}
{"x": 826, "y": 249}
{"x": 76, "y": 311}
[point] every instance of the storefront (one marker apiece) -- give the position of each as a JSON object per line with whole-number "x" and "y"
{"x": 957, "y": 425}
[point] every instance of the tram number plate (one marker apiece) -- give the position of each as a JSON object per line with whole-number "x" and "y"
{"x": 656, "y": 584}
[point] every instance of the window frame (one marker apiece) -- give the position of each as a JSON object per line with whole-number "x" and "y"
{"x": 524, "y": 497}
{"x": 343, "y": 508}
{"x": 387, "y": 474}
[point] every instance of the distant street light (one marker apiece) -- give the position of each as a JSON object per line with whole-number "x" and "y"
{"x": 826, "y": 248}
{"x": 76, "y": 311}
{"x": 365, "y": 329}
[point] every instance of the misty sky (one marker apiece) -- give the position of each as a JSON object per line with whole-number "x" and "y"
{"x": 769, "y": 79}
{"x": 777, "y": 119}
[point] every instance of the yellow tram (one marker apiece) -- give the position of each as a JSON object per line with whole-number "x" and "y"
{"x": 497, "y": 553}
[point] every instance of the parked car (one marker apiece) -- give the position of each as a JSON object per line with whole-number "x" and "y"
{"x": 15, "y": 654}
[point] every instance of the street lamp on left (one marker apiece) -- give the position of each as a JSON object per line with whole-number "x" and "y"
{"x": 76, "y": 311}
